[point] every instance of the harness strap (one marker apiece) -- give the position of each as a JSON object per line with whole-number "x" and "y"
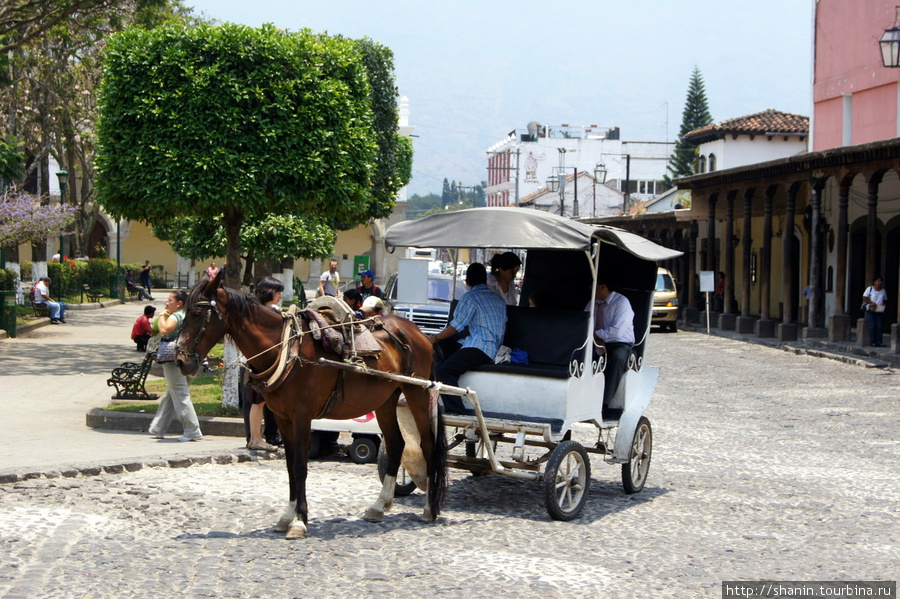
{"x": 336, "y": 394}
{"x": 403, "y": 348}
{"x": 279, "y": 369}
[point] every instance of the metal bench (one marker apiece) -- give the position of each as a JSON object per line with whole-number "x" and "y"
{"x": 40, "y": 309}
{"x": 129, "y": 379}
{"x": 93, "y": 296}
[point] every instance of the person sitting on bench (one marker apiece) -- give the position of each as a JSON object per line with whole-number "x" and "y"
{"x": 613, "y": 333}
{"x": 41, "y": 295}
{"x": 133, "y": 286}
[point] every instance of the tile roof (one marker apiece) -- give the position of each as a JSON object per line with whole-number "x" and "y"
{"x": 767, "y": 121}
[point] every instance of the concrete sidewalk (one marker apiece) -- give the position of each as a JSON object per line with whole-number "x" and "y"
{"x": 848, "y": 352}
{"x": 52, "y": 376}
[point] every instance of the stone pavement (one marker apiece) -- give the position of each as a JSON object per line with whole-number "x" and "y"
{"x": 766, "y": 465}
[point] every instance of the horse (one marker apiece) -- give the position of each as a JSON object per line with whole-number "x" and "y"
{"x": 312, "y": 390}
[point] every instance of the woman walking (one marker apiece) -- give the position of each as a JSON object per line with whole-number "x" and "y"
{"x": 176, "y": 403}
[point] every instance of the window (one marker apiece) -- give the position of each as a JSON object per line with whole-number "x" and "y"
{"x": 712, "y": 163}
{"x": 702, "y": 164}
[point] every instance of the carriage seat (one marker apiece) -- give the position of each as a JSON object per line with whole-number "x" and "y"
{"x": 549, "y": 336}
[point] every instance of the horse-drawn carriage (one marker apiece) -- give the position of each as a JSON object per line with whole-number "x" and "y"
{"x": 528, "y": 406}
{"x": 531, "y": 408}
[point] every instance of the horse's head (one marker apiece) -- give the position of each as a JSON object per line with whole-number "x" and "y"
{"x": 204, "y": 324}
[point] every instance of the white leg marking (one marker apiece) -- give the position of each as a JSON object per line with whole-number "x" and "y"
{"x": 385, "y": 499}
{"x": 289, "y": 515}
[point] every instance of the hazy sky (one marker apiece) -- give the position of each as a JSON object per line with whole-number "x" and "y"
{"x": 475, "y": 70}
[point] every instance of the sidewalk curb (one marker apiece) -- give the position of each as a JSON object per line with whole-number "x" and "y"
{"x": 97, "y": 418}
{"x": 124, "y": 421}
{"x": 98, "y": 468}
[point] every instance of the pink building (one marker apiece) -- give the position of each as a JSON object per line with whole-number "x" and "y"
{"x": 855, "y": 98}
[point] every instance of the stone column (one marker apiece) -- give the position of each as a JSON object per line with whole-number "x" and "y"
{"x": 813, "y": 328}
{"x": 841, "y": 322}
{"x": 872, "y": 227}
{"x": 746, "y": 324}
{"x": 728, "y": 319}
{"x": 765, "y": 326}
{"x": 691, "y": 313}
{"x": 787, "y": 330}
{"x": 711, "y": 248}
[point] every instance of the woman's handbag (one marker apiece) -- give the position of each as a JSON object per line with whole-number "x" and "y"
{"x": 165, "y": 352}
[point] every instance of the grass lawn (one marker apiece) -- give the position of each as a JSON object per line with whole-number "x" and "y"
{"x": 206, "y": 393}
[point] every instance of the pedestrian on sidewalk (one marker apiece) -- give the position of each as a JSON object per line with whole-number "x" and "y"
{"x": 176, "y": 403}
{"x": 875, "y": 298}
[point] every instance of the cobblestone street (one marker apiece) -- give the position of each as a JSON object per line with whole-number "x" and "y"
{"x": 766, "y": 465}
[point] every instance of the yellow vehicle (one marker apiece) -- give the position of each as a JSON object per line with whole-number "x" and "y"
{"x": 665, "y": 301}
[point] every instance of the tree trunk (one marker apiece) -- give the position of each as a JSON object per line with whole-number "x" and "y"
{"x": 248, "y": 270}
{"x": 234, "y": 218}
{"x": 287, "y": 278}
{"x": 230, "y": 382}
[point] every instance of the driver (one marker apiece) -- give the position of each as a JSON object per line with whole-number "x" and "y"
{"x": 484, "y": 313}
{"x": 613, "y": 333}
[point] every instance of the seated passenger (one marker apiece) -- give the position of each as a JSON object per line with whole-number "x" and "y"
{"x": 484, "y": 313}
{"x": 502, "y": 280}
{"x": 613, "y": 333}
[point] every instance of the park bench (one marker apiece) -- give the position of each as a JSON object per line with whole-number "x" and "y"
{"x": 93, "y": 296}
{"x": 129, "y": 379}
{"x": 40, "y": 309}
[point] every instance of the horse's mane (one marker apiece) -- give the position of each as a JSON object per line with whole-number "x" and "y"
{"x": 240, "y": 305}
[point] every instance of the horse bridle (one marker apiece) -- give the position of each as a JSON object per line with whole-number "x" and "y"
{"x": 214, "y": 308}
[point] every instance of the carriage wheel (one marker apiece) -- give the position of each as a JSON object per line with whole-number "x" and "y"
{"x": 363, "y": 450}
{"x": 634, "y": 471}
{"x": 405, "y": 484}
{"x": 566, "y": 481}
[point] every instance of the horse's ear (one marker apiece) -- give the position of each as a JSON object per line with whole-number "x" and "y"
{"x": 209, "y": 289}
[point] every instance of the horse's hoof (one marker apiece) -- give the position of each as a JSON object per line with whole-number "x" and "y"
{"x": 427, "y": 516}
{"x": 373, "y": 515}
{"x": 283, "y": 525}
{"x": 297, "y": 530}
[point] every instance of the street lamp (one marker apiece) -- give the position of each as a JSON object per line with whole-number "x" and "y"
{"x": 63, "y": 177}
{"x": 890, "y": 43}
{"x": 599, "y": 175}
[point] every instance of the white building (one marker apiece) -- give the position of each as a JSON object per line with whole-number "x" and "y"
{"x": 751, "y": 139}
{"x": 521, "y": 164}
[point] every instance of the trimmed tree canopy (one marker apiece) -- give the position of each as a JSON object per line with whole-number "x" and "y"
{"x": 206, "y": 121}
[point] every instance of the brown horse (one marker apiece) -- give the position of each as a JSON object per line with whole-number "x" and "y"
{"x": 310, "y": 390}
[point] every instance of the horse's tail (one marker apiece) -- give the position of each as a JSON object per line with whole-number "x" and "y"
{"x": 438, "y": 479}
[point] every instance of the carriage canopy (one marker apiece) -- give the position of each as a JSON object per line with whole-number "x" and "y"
{"x": 517, "y": 228}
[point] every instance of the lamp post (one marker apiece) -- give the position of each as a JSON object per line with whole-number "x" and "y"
{"x": 890, "y": 43}
{"x": 557, "y": 182}
{"x": 63, "y": 177}
{"x": 599, "y": 173}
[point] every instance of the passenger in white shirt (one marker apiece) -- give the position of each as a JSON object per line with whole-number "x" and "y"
{"x": 613, "y": 333}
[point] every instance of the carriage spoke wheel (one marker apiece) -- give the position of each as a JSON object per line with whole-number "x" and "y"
{"x": 566, "y": 481}
{"x": 634, "y": 472}
{"x": 405, "y": 485}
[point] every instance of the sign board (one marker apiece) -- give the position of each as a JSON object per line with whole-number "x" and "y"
{"x": 707, "y": 281}
{"x": 360, "y": 263}
{"x": 412, "y": 281}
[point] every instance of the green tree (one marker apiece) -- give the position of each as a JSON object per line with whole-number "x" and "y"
{"x": 683, "y": 162}
{"x": 50, "y": 100}
{"x": 237, "y": 122}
